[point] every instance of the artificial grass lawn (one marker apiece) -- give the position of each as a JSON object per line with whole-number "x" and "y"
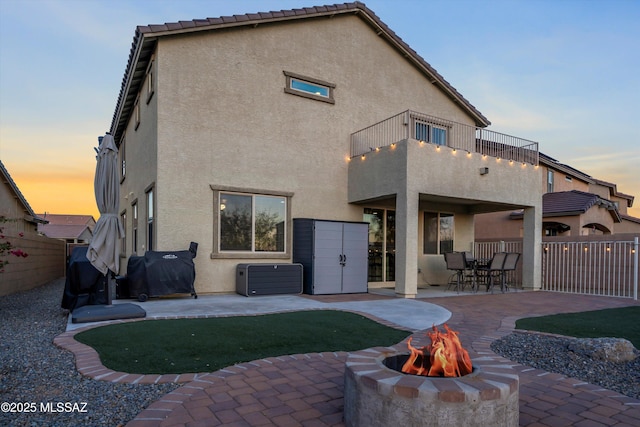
{"x": 612, "y": 322}
{"x": 206, "y": 345}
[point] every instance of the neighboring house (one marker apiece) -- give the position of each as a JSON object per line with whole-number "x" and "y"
{"x": 229, "y": 128}
{"x": 574, "y": 204}
{"x": 70, "y": 228}
{"x": 15, "y": 208}
{"x": 42, "y": 259}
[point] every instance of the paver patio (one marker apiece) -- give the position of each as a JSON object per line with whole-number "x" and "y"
{"x": 307, "y": 390}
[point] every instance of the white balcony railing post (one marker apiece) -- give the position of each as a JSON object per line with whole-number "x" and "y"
{"x": 635, "y": 268}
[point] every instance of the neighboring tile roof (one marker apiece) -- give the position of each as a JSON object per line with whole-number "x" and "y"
{"x": 66, "y": 226}
{"x": 63, "y": 231}
{"x": 6, "y": 178}
{"x": 63, "y": 219}
{"x": 145, "y": 38}
{"x": 570, "y": 203}
{"x": 630, "y": 218}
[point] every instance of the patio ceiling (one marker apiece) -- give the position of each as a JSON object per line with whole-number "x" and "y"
{"x": 444, "y": 203}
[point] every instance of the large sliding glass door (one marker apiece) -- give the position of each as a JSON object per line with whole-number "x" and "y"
{"x": 382, "y": 244}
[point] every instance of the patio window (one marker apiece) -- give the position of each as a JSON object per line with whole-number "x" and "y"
{"x": 150, "y": 219}
{"x": 309, "y": 87}
{"x": 429, "y": 132}
{"x": 252, "y": 223}
{"x": 150, "y": 81}
{"x": 123, "y": 241}
{"x": 134, "y": 227}
{"x": 438, "y": 233}
{"x": 136, "y": 115}
{"x": 123, "y": 160}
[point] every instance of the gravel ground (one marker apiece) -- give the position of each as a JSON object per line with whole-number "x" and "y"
{"x": 35, "y": 374}
{"x": 553, "y": 354}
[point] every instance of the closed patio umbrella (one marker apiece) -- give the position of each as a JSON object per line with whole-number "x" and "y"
{"x": 104, "y": 249}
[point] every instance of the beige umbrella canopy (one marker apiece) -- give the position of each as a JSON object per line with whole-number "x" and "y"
{"x": 104, "y": 249}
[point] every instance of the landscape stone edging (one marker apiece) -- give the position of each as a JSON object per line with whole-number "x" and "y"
{"x": 88, "y": 361}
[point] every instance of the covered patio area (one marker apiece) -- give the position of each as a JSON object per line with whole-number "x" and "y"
{"x": 434, "y": 192}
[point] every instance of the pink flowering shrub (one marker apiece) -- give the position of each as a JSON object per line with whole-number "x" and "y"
{"x": 6, "y": 248}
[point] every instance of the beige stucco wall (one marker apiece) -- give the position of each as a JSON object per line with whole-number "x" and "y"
{"x": 561, "y": 183}
{"x": 223, "y": 119}
{"x": 140, "y": 151}
{"x": 627, "y": 226}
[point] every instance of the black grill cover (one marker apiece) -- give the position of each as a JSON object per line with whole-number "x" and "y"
{"x": 169, "y": 272}
{"x": 136, "y": 276}
{"x": 84, "y": 285}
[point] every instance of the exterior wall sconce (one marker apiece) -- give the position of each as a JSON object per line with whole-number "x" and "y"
{"x": 484, "y": 170}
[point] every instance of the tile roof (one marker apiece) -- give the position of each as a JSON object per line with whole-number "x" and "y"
{"x": 146, "y": 35}
{"x": 6, "y": 178}
{"x": 574, "y": 202}
{"x": 64, "y": 219}
{"x": 63, "y": 231}
{"x": 630, "y": 218}
{"x": 570, "y": 203}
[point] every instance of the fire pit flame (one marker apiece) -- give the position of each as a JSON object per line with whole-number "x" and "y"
{"x": 444, "y": 357}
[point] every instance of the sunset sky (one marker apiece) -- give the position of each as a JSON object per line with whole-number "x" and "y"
{"x": 563, "y": 73}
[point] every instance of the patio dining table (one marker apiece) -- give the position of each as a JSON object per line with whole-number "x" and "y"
{"x": 475, "y": 266}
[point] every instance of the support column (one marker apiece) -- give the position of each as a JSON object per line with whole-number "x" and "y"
{"x": 532, "y": 249}
{"x": 407, "y": 244}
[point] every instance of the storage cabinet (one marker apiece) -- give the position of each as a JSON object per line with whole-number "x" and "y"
{"x": 268, "y": 279}
{"x": 333, "y": 255}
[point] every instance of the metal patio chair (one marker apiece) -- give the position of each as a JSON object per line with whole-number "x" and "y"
{"x": 492, "y": 272}
{"x": 510, "y": 263}
{"x": 456, "y": 261}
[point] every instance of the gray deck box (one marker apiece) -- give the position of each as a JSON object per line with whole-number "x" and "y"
{"x": 268, "y": 279}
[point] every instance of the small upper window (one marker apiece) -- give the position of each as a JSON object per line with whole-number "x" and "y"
{"x": 150, "y": 81}
{"x": 309, "y": 87}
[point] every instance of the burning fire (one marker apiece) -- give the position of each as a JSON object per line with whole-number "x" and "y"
{"x": 444, "y": 357}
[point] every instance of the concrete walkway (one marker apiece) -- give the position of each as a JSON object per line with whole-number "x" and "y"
{"x": 408, "y": 314}
{"x": 306, "y": 390}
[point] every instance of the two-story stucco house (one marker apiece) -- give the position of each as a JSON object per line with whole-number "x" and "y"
{"x": 230, "y": 128}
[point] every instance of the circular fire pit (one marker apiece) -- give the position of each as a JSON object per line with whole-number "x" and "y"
{"x": 378, "y": 394}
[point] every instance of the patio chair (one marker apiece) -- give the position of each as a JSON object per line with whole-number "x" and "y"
{"x": 510, "y": 263}
{"x": 493, "y": 271}
{"x": 470, "y": 273}
{"x": 456, "y": 261}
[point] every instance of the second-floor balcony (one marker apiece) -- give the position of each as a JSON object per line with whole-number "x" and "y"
{"x": 429, "y": 129}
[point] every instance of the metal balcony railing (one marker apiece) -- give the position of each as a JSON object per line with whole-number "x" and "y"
{"x": 422, "y": 127}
